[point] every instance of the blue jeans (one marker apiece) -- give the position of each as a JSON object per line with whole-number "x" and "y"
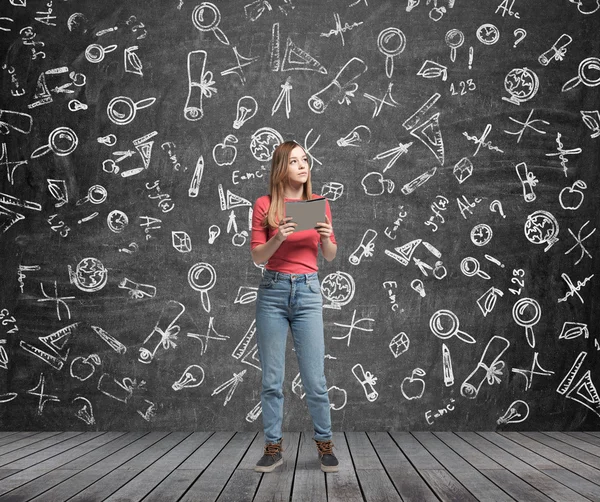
{"x": 291, "y": 300}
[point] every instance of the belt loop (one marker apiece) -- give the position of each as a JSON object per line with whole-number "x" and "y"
{"x": 276, "y": 276}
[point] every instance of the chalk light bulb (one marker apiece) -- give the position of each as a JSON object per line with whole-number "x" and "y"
{"x": 417, "y": 285}
{"x": 356, "y": 137}
{"x": 517, "y": 412}
{"x": 213, "y": 232}
{"x": 191, "y": 377}
{"x": 246, "y": 109}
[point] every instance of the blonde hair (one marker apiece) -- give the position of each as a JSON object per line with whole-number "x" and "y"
{"x": 278, "y": 178}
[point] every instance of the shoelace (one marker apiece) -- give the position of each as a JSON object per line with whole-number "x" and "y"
{"x": 272, "y": 449}
{"x": 325, "y": 447}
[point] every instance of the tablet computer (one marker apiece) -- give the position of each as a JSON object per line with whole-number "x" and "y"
{"x": 306, "y": 213}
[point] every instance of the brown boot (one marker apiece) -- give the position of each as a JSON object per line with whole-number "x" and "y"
{"x": 329, "y": 462}
{"x": 271, "y": 458}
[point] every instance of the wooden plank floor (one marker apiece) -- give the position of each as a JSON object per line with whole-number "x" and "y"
{"x": 374, "y": 466}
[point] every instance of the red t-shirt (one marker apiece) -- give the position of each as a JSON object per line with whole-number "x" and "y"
{"x": 298, "y": 253}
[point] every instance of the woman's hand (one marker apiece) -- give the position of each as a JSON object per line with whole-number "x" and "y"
{"x": 325, "y": 229}
{"x": 286, "y": 227}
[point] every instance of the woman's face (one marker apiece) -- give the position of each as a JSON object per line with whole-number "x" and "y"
{"x": 298, "y": 169}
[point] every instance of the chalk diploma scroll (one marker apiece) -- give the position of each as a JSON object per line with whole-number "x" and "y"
{"x": 306, "y": 213}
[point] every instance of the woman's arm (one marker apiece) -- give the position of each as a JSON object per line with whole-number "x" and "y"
{"x": 262, "y": 252}
{"x": 328, "y": 248}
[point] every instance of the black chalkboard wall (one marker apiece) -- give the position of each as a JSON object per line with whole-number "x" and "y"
{"x": 457, "y": 142}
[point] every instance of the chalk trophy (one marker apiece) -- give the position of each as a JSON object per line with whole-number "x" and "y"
{"x": 165, "y": 331}
{"x": 367, "y": 380}
{"x": 488, "y": 368}
{"x": 341, "y": 87}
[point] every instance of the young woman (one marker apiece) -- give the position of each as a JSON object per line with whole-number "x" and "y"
{"x": 289, "y": 295}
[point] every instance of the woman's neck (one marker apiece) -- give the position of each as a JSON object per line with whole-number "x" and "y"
{"x": 292, "y": 193}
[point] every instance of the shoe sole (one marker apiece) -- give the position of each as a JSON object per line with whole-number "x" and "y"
{"x": 269, "y": 468}
{"x": 329, "y": 468}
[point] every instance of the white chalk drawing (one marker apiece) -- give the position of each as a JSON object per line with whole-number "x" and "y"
{"x": 238, "y": 69}
{"x": 541, "y": 227}
{"x": 417, "y": 285}
{"x": 8, "y": 218}
{"x": 83, "y": 368}
{"x": 263, "y": 143}
{"x": 194, "y": 188}
{"x": 587, "y": 7}
{"x": 487, "y": 301}
{"x": 108, "y": 140}
{"x": 437, "y": 206}
{"x": 21, "y": 276}
{"x": 308, "y": 148}
{"x": 403, "y": 254}
{"x": 526, "y": 124}
{"x": 562, "y": 152}
{"x": 463, "y": 170}
{"x": 352, "y": 326}
{"x": 110, "y": 340}
{"x": 332, "y": 190}
{"x": 88, "y": 217}
{"x": 391, "y": 42}
{"x": 536, "y": 369}
{"x": 481, "y": 141}
{"x": 284, "y": 97}
{"x": 60, "y": 300}
{"x": 427, "y": 131}
{"x": 121, "y": 110}
{"x": 489, "y": 368}
{"x": 379, "y": 102}
{"x": 584, "y": 391}
{"x": 96, "y": 195}
{"x": 411, "y": 186}
{"x": 296, "y": 58}
{"x": 213, "y": 232}
{"x": 204, "y": 287}
{"x": 62, "y": 141}
{"x": 557, "y": 51}
{"x": 243, "y": 350}
{"x": 589, "y": 65}
{"x": 245, "y": 295}
{"x": 90, "y": 275}
{"x": 193, "y": 376}
{"x": 520, "y": 35}
{"x": 181, "y": 241}
{"x": 164, "y": 333}
{"x": 395, "y": 153}
{"x": 341, "y": 88}
{"x": 448, "y": 330}
{"x": 506, "y": 8}
{"x": 339, "y": 29}
{"x": 454, "y": 39}
{"x": 375, "y": 184}
{"x": 117, "y": 221}
{"x": 572, "y": 330}
{"x": 413, "y": 387}
{"x": 17, "y": 89}
{"x": 496, "y": 207}
{"x": 211, "y": 334}
{"x": 521, "y": 84}
{"x": 121, "y": 390}
{"x": 27, "y": 35}
{"x": 390, "y": 287}
{"x": 246, "y": 109}
{"x": 39, "y": 391}
{"x": 149, "y": 413}
{"x": 17, "y": 121}
{"x": 399, "y": 344}
{"x": 365, "y": 248}
{"x": 447, "y": 366}
{"x": 231, "y": 200}
{"x": 339, "y": 288}
{"x": 367, "y": 380}
{"x": 95, "y": 53}
{"x": 132, "y": 248}
{"x": 481, "y": 234}
{"x": 4, "y": 360}
{"x": 517, "y": 412}
{"x": 86, "y": 412}
{"x": 338, "y": 398}
{"x": 232, "y": 384}
{"x": 470, "y": 266}
{"x": 75, "y": 105}
{"x": 201, "y": 17}
{"x": 254, "y": 413}
{"x": 132, "y": 62}
{"x": 200, "y": 85}
{"x": 431, "y": 69}
{"x": 527, "y": 313}
{"x": 7, "y": 396}
{"x": 136, "y": 290}
{"x": 11, "y": 166}
{"x": 591, "y": 119}
{"x": 579, "y": 242}
{"x": 56, "y": 342}
{"x": 297, "y": 387}
{"x": 225, "y": 153}
{"x": 574, "y": 288}
{"x": 528, "y": 181}
{"x": 488, "y": 34}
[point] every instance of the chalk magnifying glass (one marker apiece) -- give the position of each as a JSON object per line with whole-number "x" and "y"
{"x": 122, "y": 109}
{"x": 202, "y": 284}
{"x": 391, "y": 42}
{"x": 470, "y": 266}
{"x": 444, "y": 324}
{"x": 454, "y": 39}
{"x": 95, "y": 53}
{"x": 527, "y": 312}
{"x": 585, "y": 70}
{"x": 62, "y": 141}
{"x": 203, "y": 22}
{"x": 96, "y": 195}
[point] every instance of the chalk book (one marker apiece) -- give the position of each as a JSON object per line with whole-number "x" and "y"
{"x": 306, "y": 213}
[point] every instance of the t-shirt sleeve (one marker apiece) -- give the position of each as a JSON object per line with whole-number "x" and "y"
{"x": 260, "y": 234}
{"x": 328, "y": 213}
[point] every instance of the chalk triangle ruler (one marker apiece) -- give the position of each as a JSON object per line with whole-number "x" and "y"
{"x": 297, "y": 59}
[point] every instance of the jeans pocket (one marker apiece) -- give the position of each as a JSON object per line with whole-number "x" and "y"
{"x": 314, "y": 286}
{"x": 266, "y": 283}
